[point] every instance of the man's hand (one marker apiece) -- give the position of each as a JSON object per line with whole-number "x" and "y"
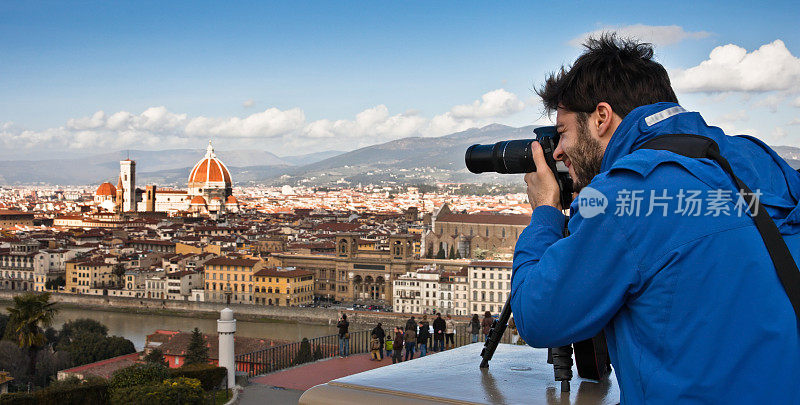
{"x": 542, "y": 185}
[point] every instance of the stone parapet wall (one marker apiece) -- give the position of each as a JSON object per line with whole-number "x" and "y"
{"x": 327, "y": 316}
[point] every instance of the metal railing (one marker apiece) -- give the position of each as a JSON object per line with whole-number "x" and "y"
{"x": 284, "y": 356}
{"x": 288, "y": 355}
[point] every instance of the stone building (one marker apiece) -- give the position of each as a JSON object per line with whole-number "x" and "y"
{"x": 230, "y": 276}
{"x": 86, "y": 275}
{"x": 469, "y": 234}
{"x": 283, "y": 287}
{"x": 490, "y": 285}
{"x": 18, "y": 265}
{"x": 11, "y": 218}
{"x": 353, "y": 275}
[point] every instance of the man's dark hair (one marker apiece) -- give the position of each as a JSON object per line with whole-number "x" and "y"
{"x": 619, "y": 71}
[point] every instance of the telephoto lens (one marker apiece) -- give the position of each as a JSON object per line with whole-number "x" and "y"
{"x": 506, "y": 157}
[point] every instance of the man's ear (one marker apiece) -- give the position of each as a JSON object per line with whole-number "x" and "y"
{"x": 605, "y": 120}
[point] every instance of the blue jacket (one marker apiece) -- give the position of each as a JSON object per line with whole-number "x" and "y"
{"x": 691, "y": 305}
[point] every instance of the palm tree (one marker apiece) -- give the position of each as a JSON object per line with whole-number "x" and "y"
{"x": 28, "y": 318}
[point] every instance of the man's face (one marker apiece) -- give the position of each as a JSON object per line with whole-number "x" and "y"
{"x": 579, "y": 148}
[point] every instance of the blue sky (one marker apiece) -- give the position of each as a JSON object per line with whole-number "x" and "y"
{"x": 300, "y": 77}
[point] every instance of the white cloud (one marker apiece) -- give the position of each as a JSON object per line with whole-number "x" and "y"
{"x": 731, "y": 68}
{"x": 795, "y": 121}
{"x": 496, "y": 103}
{"x": 248, "y": 103}
{"x": 286, "y": 130}
{"x": 796, "y": 102}
{"x": 269, "y": 123}
{"x": 659, "y": 35}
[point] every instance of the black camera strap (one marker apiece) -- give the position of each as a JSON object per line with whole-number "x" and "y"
{"x": 696, "y": 146}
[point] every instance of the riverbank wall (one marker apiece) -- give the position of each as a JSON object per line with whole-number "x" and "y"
{"x": 322, "y": 316}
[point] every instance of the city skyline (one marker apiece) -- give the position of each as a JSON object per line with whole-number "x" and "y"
{"x": 314, "y": 77}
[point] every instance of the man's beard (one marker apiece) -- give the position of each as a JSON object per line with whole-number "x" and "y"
{"x": 586, "y": 157}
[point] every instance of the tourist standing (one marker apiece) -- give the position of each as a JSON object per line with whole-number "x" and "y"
{"x": 344, "y": 336}
{"x": 389, "y": 345}
{"x": 423, "y": 336}
{"x": 411, "y": 324}
{"x": 381, "y": 334}
{"x": 438, "y": 333}
{"x": 411, "y": 342}
{"x": 475, "y": 327}
{"x": 449, "y": 332}
{"x": 486, "y": 324}
{"x": 397, "y": 346}
{"x": 512, "y": 327}
{"x": 375, "y": 348}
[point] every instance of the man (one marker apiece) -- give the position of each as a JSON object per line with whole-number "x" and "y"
{"x": 423, "y": 336}
{"x": 381, "y": 335}
{"x": 438, "y": 333}
{"x": 411, "y": 323}
{"x": 449, "y": 332}
{"x": 344, "y": 336}
{"x": 397, "y": 346}
{"x": 689, "y": 301}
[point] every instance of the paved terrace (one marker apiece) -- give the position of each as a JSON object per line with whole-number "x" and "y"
{"x": 286, "y": 386}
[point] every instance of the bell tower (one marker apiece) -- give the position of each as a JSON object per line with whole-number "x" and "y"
{"x": 127, "y": 174}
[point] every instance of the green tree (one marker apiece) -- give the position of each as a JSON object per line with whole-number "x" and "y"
{"x": 87, "y": 347}
{"x": 55, "y": 283}
{"x": 28, "y": 317}
{"x": 138, "y": 375}
{"x": 197, "y": 351}
{"x": 156, "y": 356}
{"x": 80, "y": 326}
{"x": 3, "y": 323}
{"x": 440, "y": 254}
{"x": 452, "y": 253}
{"x": 303, "y": 353}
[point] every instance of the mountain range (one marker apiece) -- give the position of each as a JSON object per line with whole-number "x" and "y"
{"x": 412, "y": 160}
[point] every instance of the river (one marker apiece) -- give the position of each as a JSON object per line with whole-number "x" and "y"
{"x": 135, "y": 327}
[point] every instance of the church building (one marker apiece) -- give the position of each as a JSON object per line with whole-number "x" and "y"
{"x": 209, "y": 191}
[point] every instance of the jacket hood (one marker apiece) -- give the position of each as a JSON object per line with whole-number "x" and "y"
{"x": 752, "y": 160}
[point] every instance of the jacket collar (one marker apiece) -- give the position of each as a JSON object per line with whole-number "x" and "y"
{"x": 639, "y": 126}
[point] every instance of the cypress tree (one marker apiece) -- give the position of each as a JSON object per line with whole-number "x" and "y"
{"x": 197, "y": 351}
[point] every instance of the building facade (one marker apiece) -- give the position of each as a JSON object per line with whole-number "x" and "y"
{"x": 283, "y": 287}
{"x": 468, "y": 235}
{"x": 230, "y": 276}
{"x": 490, "y": 285}
{"x": 83, "y": 276}
{"x": 353, "y": 275}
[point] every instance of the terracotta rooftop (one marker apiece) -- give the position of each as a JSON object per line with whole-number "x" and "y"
{"x": 177, "y": 343}
{"x": 495, "y": 219}
{"x": 490, "y": 263}
{"x": 105, "y": 368}
{"x": 227, "y": 261}
{"x": 274, "y": 272}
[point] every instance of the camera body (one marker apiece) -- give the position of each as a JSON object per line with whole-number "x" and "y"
{"x": 515, "y": 157}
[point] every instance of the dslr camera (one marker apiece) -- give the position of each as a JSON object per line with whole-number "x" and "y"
{"x": 515, "y": 157}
